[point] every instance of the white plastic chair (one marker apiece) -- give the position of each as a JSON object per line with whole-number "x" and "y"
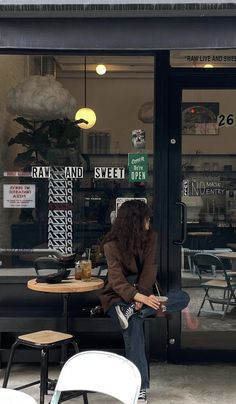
{"x": 9, "y": 396}
{"x": 101, "y": 372}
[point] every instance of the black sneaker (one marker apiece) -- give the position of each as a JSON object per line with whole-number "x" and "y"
{"x": 142, "y": 398}
{"x": 124, "y": 313}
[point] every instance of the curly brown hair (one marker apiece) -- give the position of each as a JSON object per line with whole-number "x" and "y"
{"x": 128, "y": 230}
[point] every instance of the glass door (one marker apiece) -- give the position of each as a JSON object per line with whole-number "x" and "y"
{"x": 202, "y": 225}
{"x": 208, "y": 168}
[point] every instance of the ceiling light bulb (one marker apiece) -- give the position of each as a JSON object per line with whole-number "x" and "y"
{"x": 101, "y": 69}
{"x": 208, "y": 66}
{"x": 87, "y": 114}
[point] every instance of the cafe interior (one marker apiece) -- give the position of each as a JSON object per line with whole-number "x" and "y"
{"x": 63, "y": 179}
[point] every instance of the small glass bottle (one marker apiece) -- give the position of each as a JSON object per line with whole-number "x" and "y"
{"x": 77, "y": 270}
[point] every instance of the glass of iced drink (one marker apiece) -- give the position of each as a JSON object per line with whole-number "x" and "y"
{"x": 77, "y": 271}
{"x": 163, "y": 300}
{"x": 86, "y": 270}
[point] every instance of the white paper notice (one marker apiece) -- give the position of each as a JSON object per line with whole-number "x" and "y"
{"x": 19, "y": 196}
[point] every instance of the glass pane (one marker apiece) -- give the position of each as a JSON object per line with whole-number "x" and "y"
{"x": 209, "y": 183}
{"x": 60, "y": 184}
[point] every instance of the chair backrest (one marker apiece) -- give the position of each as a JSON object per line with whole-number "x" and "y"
{"x": 208, "y": 260}
{"x": 101, "y": 372}
{"x": 202, "y": 261}
{"x": 9, "y": 396}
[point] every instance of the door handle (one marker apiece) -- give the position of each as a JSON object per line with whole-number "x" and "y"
{"x": 183, "y": 222}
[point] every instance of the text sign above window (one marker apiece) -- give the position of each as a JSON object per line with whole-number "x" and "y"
{"x": 203, "y": 58}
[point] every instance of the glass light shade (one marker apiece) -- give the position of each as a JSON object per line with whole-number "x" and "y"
{"x": 101, "y": 69}
{"x": 88, "y": 115}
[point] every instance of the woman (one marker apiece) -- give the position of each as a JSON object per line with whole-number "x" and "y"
{"x": 130, "y": 250}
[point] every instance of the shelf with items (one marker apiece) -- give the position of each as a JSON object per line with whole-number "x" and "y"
{"x": 210, "y": 194}
{"x": 209, "y": 162}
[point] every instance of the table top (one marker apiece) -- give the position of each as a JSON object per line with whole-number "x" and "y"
{"x": 69, "y": 285}
{"x": 230, "y": 255}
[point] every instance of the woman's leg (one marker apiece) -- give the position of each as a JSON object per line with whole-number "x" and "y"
{"x": 134, "y": 344}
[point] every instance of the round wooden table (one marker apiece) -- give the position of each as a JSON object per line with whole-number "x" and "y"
{"x": 65, "y": 288}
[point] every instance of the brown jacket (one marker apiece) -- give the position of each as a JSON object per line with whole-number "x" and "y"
{"x": 117, "y": 288}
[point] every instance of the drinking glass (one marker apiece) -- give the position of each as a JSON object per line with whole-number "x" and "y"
{"x": 86, "y": 270}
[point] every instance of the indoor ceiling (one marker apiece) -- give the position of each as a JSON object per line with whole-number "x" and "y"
{"x": 114, "y": 64}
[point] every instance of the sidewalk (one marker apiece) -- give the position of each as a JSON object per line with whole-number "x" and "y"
{"x": 170, "y": 384}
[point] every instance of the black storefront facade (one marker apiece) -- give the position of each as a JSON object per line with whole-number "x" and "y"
{"x": 205, "y": 164}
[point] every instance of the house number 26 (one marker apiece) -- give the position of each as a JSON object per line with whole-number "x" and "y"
{"x": 225, "y": 120}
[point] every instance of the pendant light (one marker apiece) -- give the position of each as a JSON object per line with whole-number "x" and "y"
{"x": 86, "y": 115}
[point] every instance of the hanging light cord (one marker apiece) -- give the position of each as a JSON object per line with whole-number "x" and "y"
{"x": 85, "y": 79}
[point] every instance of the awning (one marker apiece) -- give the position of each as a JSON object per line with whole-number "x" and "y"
{"x": 115, "y": 8}
{"x": 77, "y": 25}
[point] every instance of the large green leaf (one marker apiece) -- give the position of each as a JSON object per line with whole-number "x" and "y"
{"x": 23, "y": 138}
{"x": 25, "y": 122}
{"x": 24, "y": 158}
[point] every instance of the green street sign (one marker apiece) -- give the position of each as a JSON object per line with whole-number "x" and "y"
{"x": 138, "y": 167}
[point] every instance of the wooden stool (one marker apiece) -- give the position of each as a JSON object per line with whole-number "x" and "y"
{"x": 43, "y": 340}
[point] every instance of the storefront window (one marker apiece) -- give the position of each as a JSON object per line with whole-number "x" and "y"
{"x": 61, "y": 185}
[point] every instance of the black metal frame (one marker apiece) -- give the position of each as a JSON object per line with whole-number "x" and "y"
{"x": 142, "y": 36}
{"x": 180, "y": 79}
{"x": 44, "y": 382}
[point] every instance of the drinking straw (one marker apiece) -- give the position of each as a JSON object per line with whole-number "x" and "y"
{"x": 89, "y": 253}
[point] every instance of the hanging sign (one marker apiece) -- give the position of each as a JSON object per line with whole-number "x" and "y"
{"x": 40, "y": 172}
{"x": 74, "y": 172}
{"x": 19, "y": 196}
{"x": 109, "y": 173}
{"x": 138, "y": 167}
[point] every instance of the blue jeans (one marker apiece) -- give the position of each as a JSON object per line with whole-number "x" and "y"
{"x": 134, "y": 335}
{"x": 134, "y": 341}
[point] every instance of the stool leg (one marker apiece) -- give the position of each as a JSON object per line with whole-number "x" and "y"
{"x": 75, "y": 345}
{"x": 0, "y": 347}
{"x": 85, "y": 398}
{"x": 7, "y": 373}
{"x": 43, "y": 374}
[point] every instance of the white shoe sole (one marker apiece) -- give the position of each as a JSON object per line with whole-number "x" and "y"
{"x": 122, "y": 319}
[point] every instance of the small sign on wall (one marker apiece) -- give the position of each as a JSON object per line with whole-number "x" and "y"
{"x": 19, "y": 196}
{"x": 138, "y": 167}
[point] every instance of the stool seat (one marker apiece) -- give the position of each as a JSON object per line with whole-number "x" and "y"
{"x": 44, "y": 337}
{"x": 43, "y": 340}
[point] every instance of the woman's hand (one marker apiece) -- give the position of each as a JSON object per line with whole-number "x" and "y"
{"x": 151, "y": 301}
{"x": 138, "y": 305}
